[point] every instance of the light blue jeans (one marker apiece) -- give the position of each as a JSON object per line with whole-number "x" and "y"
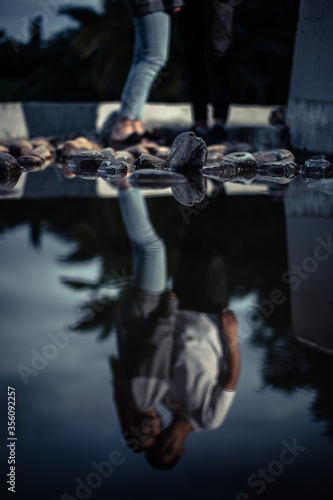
{"x": 151, "y": 52}
{"x": 148, "y": 250}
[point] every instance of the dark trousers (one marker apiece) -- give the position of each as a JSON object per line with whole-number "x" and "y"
{"x": 205, "y": 29}
{"x": 200, "y": 274}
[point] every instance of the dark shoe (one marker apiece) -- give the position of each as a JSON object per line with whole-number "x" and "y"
{"x": 216, "y": 135}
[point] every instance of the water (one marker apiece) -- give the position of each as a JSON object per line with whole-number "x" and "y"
{"x": 65, "y": 261}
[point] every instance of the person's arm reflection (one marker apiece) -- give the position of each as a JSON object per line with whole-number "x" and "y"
{"x": 229, "y": 377}
{"x": 144, "y": 328}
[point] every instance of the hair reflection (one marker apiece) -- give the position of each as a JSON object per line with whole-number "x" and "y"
{"x": 177, "y": 342}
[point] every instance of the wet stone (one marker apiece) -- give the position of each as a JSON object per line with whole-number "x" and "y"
{"x": 245, "y": 177}
{"x": 112, "y": 170}
{"x": 42, "y": 141}
{"x": 137, "y": 150}
{"x": 319, "y": 165}
{"x": 155, "y": 179}
{"x": 70, "y": 148}
{"x": 15, "y": 148}
{"x": 8, "y": 162}
{"x": 149, "y": 161}
{"x": 86, "y": 161}
{"x": 214, "y": 156}
{"x": 238, "y": 160}
{"x": 84, "y": 143}
{"x": 273, "y": 156}
{"x": 220, "y": 174}
{"x": 282, "y": 168}
{"x": 192, "y": 191}
{"x": 30, "y": 162}
{"x": 108, "y": 153}
{"x": 9, "y": 178}
{"x": 187, "y": 152}
{"x": 275, "y": 176}
{"x": 151, "y": 147}
{"x": 125, "y": 156}
{"x": 43, "y": 152}
{"x": 162, "y": 152}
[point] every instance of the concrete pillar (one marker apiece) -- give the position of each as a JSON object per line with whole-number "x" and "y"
{"x": 310, "y": 105}
{"x": 309, "y": 225}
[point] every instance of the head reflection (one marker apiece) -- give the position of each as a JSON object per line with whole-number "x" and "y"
{"x": 177, "y": 344}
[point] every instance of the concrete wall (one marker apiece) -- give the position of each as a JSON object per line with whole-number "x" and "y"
{"x": 22, "y": 120}
{"x": 309, "y": 225}
{"x": 310, "y": 103}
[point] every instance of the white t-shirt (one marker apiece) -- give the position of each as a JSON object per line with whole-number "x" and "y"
{"x": 198, "y": 362}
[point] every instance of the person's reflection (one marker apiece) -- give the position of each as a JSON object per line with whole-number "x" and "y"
{"x": 171, "y": 350}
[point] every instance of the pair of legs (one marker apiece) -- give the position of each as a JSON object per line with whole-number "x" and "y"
{"x": 151, "y": 52}
{"x": 148, "y": 250}
{"x": 205, "y": 30}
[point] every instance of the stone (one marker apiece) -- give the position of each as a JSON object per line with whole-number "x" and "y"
{"x": 70, "y": 148}
{"x": 43, "y": 152}
{"x": 272, "y": 156}
{"x": 149, "y": 161}
{"x": 187, "y": 152}
{"x": 66, "y": 150}
{"x": 16, "y": 147}
{"x": 192, "y": 191}
{"x": 30, "y": 162}
{"x": 239, "y": 160}
{"x": 41, "y": 141}
{"x": 317, "y": 165}
{"x": 279, "y": 168}
{"x": 276, "y": 176}
{"x": 162, "y": 152}
{"x": 155, "y": 179}
{"x": 112, "y": 170}
{"x": 213, "y": 157}
{"x": 152, "y": 147}
{"x": 218, "y": 173}
{"x": 137, "y": 150}
{"x": 84, "y": 143}
{"x": 9, "y": 179}
{"x": 108, "y": 153}
{"x": 8, "y": 162}
{"x": 86, "y": 161}
{"x": 125, "y": 156}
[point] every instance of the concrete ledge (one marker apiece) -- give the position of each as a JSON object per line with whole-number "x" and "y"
{"x": 23, "y": 120}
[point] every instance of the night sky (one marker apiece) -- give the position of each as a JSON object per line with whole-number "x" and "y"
{"x": 16, "y": 14}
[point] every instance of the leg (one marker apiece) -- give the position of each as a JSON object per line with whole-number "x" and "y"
{"x": 152, "y": 35}
{"x": 200, "y": 274}
{"x": 149, "y": 257}
{"x": 219, "y": 25}
{"x": 190, "y": 21}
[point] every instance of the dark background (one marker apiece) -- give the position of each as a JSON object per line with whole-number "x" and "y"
{"x": 90, "y": 62}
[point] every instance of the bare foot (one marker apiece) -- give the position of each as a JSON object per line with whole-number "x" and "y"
{"x": 138, "y": 127}
{"x": 123, "y": 129}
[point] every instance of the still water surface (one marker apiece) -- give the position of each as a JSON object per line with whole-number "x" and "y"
{"x": 65, "y": 264}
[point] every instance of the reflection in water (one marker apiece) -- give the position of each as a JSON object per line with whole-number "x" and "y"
{"x": 309, "y": 217}
{"x": 66, "y": 416}
{"x": 175, "y": 348}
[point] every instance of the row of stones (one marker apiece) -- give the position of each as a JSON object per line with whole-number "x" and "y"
{"x": 188, "y": 152}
